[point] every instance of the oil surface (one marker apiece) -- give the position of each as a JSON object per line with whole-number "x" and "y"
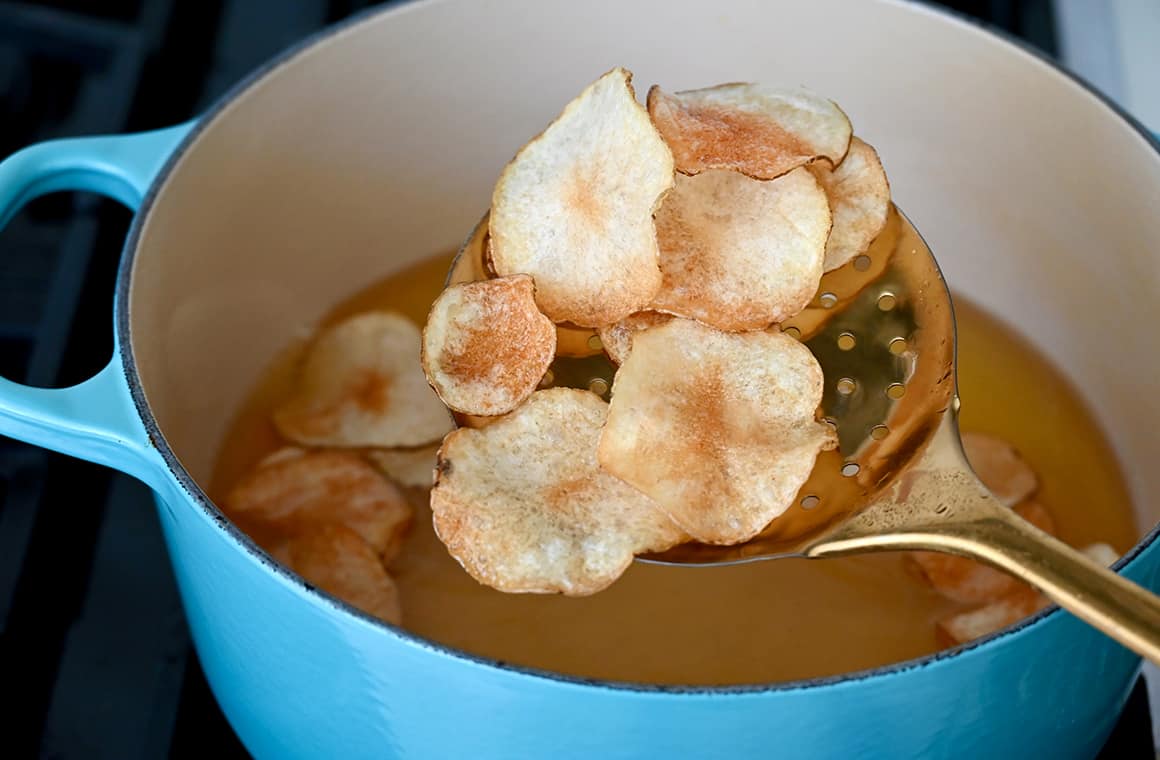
{"x": 764, "y": 622}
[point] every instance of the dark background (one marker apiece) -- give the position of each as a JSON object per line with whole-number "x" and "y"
{"x": 95, "y": 658}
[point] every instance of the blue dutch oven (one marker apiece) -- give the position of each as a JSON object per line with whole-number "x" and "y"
{"x": 376, "y": 143}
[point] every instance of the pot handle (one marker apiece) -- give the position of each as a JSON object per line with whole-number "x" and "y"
{"x": 95, "y": 420}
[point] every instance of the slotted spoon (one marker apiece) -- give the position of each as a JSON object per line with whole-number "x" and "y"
{"x": 883, "y": 330}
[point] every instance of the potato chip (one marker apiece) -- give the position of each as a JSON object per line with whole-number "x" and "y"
{"x": 486, "y": 345}
{"x": 961, "y": 579}
{"x": 361, "y": 385}
{"x": 574, "y": 207}
{"x": 1001, "y": 468}
{"x": 718, "y": 428}
{"x": 859, "y": 196}
{"x": 524, "y": 507}
{"x": 281, "y": 455}
{"x": 414, "y": 468}
{"x": 763, "y": 132}
{"x": 976, "y": 623}
{"x": 337, "y": 560}
{"x": 1036, "y": 514}
{"x": 1102, "y": 553}
{"x": 294, "y": 494}
{"x": 738, "y": 253}
{"x": 617, "y": 338}
{"x": 968, "y": 581}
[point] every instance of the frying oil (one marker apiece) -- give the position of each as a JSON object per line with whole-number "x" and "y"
{"x": 758, "y": 623}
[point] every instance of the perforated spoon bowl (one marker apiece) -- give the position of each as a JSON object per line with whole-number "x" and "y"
{"x": 883, "y": 330}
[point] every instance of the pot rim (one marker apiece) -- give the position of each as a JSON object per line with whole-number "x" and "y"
{"x": 202, "y": 500}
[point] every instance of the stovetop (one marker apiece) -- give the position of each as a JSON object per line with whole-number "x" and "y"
{"x": 95, "y": 657}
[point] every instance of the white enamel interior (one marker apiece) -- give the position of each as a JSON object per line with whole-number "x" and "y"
{"x": 380, "y": 146}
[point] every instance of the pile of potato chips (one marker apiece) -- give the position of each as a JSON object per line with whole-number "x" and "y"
{"x": 683, "y": 234}
{"x": 995, "y": 599}
{"x": 334, "y": 508}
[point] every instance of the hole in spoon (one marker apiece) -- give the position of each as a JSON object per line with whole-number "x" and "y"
{"x": 598, "y": 385}
{"x": 850, "y": 469}
{"x": 594, "y": 342}
{"x": 809, "y": 502}
{"x": 827, "y": 300}
{"x": 847, "y": 341}
{"x": 896, "y": 390}
{"x": 878, "y": 432}
{"x": 862, "y": 263}
{"x": 547, "y": 380}
{"x": 886, "y": 302}
{"x": 846, "y": 386}
{"x": 792, "y": 332}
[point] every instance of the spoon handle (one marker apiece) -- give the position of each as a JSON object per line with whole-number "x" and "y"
{"x": 994, "y": 534}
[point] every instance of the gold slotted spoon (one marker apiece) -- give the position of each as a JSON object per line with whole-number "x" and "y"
{"x": 883, "y": 330}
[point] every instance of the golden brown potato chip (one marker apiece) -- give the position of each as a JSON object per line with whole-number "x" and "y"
{"x": 337, "y": 560}
{"x": 961, "y": 579}
{"x": 1036, "y": 514}
{"x": 281, "y": 455}
{"x": 1001, "y": 468}
{"x": 617, "y": 338}
{"x": 762, "y": 132}
{"x": 967, "y": 581}
{"x": 974, "y": 624}
{"x": 361, "y": 384}
{"x": 718, "y": 428}
{"x": 738, "y": 253}
{"x": 574, "y": 207}
{"x": 297, "y": 493}
{"x": 859, "y": 196}
{"x": 524, "y": 507}
{"x": 1102, "y": 553}
{"x": 486, "y": 345}
{"x": 414, "y": 468}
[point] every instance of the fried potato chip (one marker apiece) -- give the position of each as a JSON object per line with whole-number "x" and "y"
{"x": 574, "y": 207}
{"x": 738, "y": 253}
{"x": 859, "y": 196}
{"x": 617, "y": 338}
{"x": 524, "y": 507}
{"x": 1102, "y": 553}
{"x": 968, "y": 581}
{"x": 961, "y": 579}
{"x": 1001, "y": 468}
{"x": 414, "y": 468}
{"x": 763, "y": 132}
{"x": 718, "y": 428}
{"x": 1036, "y": 514}
{"x": 294, "y": 494}
{"x": 281, "y": 455}
{"x": 361, "y": 384}
{"x": 486, "y": 346}
{"x": 974, "y": 624}
{"x": 337, "y": 560}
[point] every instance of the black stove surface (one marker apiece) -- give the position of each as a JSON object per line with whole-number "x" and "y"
{"x": 95, "y": 657}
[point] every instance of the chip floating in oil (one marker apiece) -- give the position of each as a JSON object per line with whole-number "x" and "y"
{"x": 359, "y": 385}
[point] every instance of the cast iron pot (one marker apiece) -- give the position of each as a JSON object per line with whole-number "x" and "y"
{"x": 377, "y": 143}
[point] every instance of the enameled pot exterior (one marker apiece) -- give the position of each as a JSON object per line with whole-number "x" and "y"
{"x": 300, "y": 675}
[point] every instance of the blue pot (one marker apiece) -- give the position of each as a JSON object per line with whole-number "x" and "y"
{"x": 376, "y": 143}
